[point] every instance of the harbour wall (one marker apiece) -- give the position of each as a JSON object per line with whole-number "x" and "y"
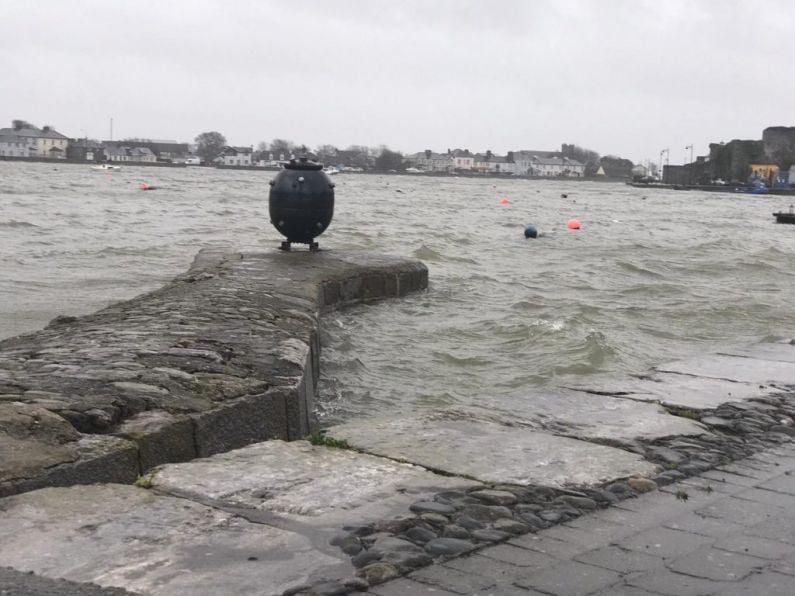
{"x": 225, "y": 355}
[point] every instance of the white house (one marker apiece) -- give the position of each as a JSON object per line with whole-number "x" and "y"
{"x": 489, "y": 163}
{"x": 113, "y": 153}
{"x": 525, "y": 160}
{"x": 463, "y": 160}
{"x": 44, "y": 142}
{"x": 429, "y": 161}
{"x": 442, "y": 162}
{"x": 555, "y": 166}
{"x": 15, "y": 146}
{"x": 236, "y": 156}
{"x": 421, "y": 160}
{"x": 143, "y": 154}
{"x": 51, "y": 143}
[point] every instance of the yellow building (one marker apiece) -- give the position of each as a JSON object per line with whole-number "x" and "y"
{"x": 764, "y": 171}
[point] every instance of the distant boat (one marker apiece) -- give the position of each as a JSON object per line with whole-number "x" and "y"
{"x": 331, "y": 170}
{"x": 787, "y": 217}
{"x": 104, "y": 167}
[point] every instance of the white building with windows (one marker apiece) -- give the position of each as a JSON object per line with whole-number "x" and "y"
{"x": 488, "y": 163}
{"x": 428, "y": 161}
{"x": 14, "y": 145}
{"x": 463, "y": 159}
{"x": 41, "y": 142}
{"x": 141, "y": 154}
{"x": 113, "y": 153}
{"x": 526, "y": 159}
{"x": 50, "y": 143}
{"x": 236, "y": 156}
{"x": 556, "y": 166}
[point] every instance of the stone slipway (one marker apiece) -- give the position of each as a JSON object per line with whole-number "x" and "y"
{"x": 258, "y": 520}
{"x": 201, "y": 382}
{"x": 224, "y": 356}
{"x": 560, "y": 438}
{"x": 275, "y": 515}
{"x": 491, "y": 452}
{"x": 708, "y": 381}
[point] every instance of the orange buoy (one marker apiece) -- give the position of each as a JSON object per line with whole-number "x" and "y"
{"x": 144, "y": 186}
{"x": 504, "y": 201}
{"x": 573, "y": 224}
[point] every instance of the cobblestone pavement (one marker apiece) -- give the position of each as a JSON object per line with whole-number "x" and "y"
{"x": 730, "y": 531}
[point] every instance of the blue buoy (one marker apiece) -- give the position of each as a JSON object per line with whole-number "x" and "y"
{"x": 530, "y": 232}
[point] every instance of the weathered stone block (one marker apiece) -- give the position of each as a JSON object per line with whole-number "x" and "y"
{"x": 248, "y": 420}
{"x": 100, "y": 458}
{"x": 161, "y": 438}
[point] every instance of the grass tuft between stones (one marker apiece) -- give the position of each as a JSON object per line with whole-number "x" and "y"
{"x": 321, "y": 438}
{"x": 145, "y": 481}
{"x": 683, "y": 412}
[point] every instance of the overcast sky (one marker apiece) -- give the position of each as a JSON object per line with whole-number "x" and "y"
{"x": 625, "y": 77}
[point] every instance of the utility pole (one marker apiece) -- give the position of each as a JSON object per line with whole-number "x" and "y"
{"x": 667, "y": 154}
{"x": 690, "y": 168}
{"x": 111, "y": 129}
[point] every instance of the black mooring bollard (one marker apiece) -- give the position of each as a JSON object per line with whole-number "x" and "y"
{"x": 301, "y": 202}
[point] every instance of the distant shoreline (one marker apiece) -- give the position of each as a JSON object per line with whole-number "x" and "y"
{"x": 464, "y": 174}
{"x": 157, "y": 164}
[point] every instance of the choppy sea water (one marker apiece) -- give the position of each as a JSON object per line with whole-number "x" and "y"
{"x": 652, "y": 275}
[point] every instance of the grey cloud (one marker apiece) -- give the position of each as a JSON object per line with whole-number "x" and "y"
{"x": 619, "y": 76}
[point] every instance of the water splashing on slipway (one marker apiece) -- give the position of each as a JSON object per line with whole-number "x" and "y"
{"x": 643, "y": 282}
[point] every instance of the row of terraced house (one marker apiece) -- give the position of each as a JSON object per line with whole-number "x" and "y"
{"x": 516, "y": 163}
{"x": 29, "y": 141}
{"x": 24, "y": 140}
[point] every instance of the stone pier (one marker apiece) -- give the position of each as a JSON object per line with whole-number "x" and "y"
{"x": 157, "y": 447}
{"x": 224, "y": 356}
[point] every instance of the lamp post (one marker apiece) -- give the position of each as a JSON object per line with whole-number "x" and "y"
{"x": 690, "y": 166}
{"x": 667, "y": 154}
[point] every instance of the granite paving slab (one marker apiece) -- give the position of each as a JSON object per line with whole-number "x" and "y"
{"x": 679, "y": 390}
{"x": 780, "y": 351}
{"x": 490, "y": 452}
{"x": 583, "y": 416}
{"x": 780, "y": 372}
{"x": 323, "y": 488}
{"x": 123, "y": 536}
{"x": 264, "y": 516}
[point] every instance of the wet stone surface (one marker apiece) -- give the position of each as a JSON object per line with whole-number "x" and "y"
{"x": 471, "y": 524}
{"x": 223, "y": 356}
